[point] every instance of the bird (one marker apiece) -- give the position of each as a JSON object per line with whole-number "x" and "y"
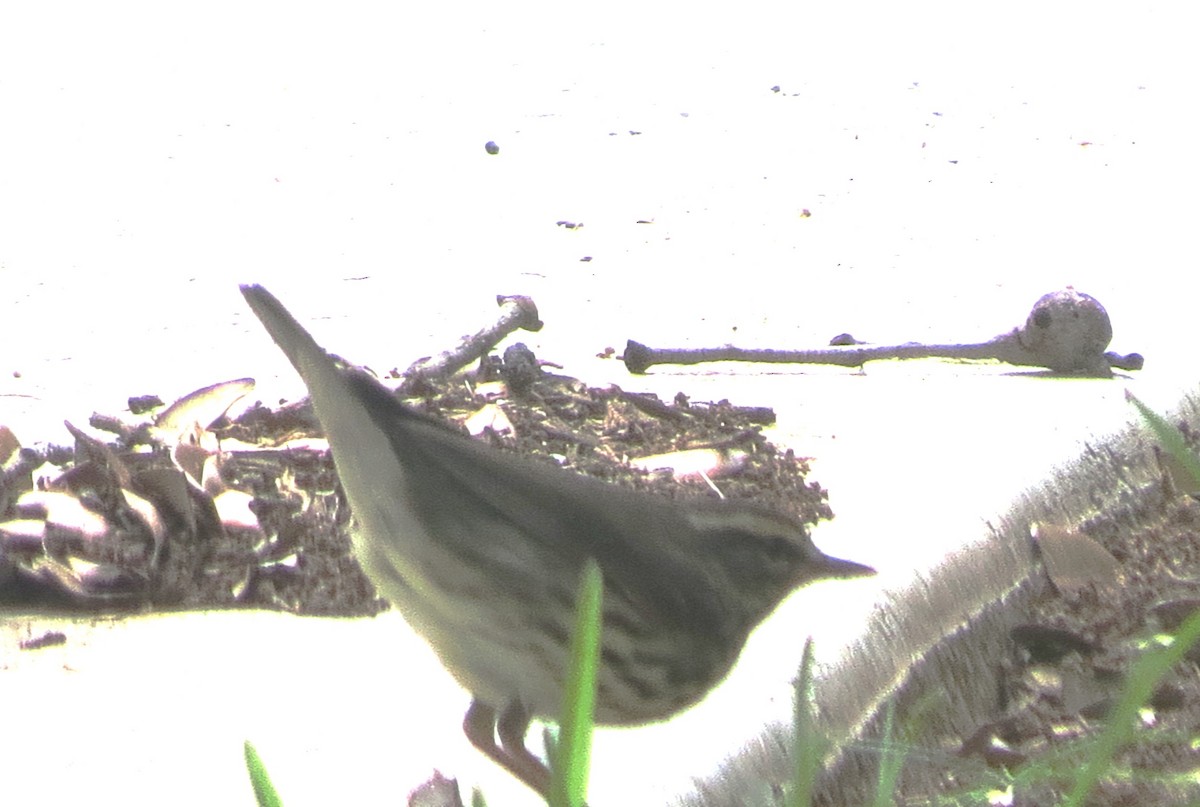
{"x": 481, "y": 550}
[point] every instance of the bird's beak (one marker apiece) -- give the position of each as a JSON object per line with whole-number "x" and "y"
{"x": 838, "y": 568}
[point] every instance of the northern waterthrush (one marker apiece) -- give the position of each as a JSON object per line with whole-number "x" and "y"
{"x": 481, "y": 550}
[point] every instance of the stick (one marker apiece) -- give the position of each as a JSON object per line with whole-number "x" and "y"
{"x": 516, "y": 312}
{"x": 1066, "y": 332}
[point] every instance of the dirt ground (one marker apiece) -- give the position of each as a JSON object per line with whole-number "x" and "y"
{"x": 261, "y": 523}
{"x": 1105, "y": 594}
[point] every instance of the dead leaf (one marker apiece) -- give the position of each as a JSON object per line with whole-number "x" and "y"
{"x": 1075, "y": 561}
{"x": 203, "y": 407}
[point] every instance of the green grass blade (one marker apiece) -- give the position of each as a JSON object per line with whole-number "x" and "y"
{"x": 568, "y": 786}
{"x": 810, "y": 744}
{"x": 891, "y": 761}
{"x": 264, "y": 792}
{"x": 1170, "y": 437}
{"x": 1146, "y": 674}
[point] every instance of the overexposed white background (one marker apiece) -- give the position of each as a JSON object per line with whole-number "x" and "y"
{"x": 956, "y": 162}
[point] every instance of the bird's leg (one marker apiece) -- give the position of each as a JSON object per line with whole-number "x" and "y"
{"x": 512, "y": 725}
{"x": 481, "y": 726}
